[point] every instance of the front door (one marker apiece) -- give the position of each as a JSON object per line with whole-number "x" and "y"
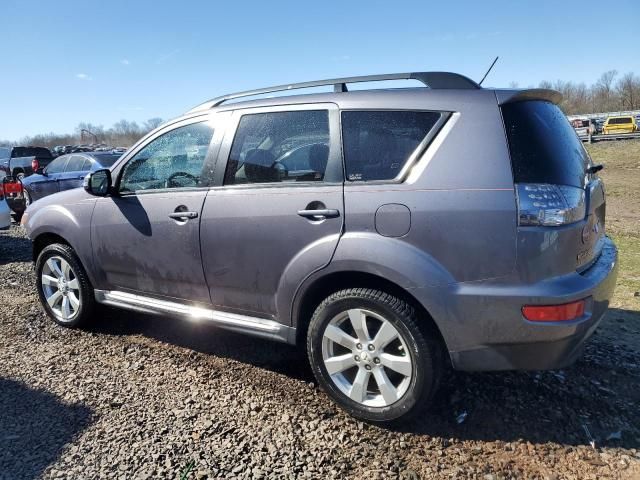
{"x": 276, "y": 213}
{"x": 146, "y": 237}
{"x": 43, "y": 185}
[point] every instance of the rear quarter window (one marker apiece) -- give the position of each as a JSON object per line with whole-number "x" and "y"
{"x": 377, "y": 144}
{"x": 544, "y": 147}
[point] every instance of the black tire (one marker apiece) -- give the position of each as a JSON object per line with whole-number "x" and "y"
{"x": 86, "y": 294}
{"x": 422, "y": 347}
{"x": 27, "y": 198}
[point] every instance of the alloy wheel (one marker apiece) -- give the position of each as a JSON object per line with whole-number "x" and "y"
{"x": 367, "y": 358}
{"x": 61, "y": 288}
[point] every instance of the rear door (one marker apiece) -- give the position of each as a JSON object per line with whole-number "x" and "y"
{"x": 270, "y": 221}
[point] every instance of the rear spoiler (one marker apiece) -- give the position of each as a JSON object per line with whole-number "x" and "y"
{"x": 544, "y": 94}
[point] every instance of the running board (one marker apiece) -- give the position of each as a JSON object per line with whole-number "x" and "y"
{"x": 259, "y": 327}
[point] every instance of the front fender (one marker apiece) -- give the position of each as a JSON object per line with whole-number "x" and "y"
{"x": 69, "y": 220}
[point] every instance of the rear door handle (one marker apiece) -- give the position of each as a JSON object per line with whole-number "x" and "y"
{"x": 319, "y": 214}
{"x": 183, "y": 215}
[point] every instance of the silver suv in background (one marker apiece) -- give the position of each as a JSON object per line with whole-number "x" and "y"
{"x": 388, "y": 232}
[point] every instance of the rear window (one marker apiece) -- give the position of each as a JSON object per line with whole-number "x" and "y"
{"x": 544, "y": 148}
{"x": 620, "y": 120}
{"x": 18, "y": 152}
{"x": 377, "y": 144}
{"x": 106, "y": 159}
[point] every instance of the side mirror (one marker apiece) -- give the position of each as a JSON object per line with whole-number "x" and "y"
{"x": 98, "y": 183}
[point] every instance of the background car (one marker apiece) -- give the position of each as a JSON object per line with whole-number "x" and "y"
{"x": 620, "y": 124}
{"x": 64, "y": 173}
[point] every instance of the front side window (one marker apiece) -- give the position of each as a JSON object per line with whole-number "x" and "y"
{"x": 279, "y": 147}
{"x": 377, "y": 144}
{"x": 173, "y": 160}
{"x": 57, "y": 166}
{"x": 76, "y": 164}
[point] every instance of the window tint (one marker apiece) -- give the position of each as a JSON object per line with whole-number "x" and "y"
{"x": 57, "y": 166}
{"x": 75, "y": 164}
{"x": 279, "y": 147}
{"x": 40, "y": 152}
{"x": 174, "y": 160}
{"x": 620, "y": 121}
{"x": 377, "y": 144}
{"x": 5, "y": 152}
{"x": 544, "y": 148}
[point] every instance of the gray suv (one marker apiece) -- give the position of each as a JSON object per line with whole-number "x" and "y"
{"x": 391, "y": 233}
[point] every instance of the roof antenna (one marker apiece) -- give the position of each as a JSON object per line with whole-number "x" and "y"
{"x": 490, "y": 68}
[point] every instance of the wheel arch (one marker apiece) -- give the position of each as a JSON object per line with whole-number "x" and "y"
{"x": 45, "y": 239}
{"x": 307, "y": 301}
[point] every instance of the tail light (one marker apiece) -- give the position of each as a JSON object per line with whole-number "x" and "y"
{"x": 554, "y": 313}
{"x": 2, "y": 191}
{"x": 549, "y": 205}
{"x": 12, "y": 187}
{"x": 35, "y": 165}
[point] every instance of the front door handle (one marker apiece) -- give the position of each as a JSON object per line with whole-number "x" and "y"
{"x": 319, "y": 214}
{"x": 183, "y": 215}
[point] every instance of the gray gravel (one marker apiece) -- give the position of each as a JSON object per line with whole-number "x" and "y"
{"x": 149, "y": 397}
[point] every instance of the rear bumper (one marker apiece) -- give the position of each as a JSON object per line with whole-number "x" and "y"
{"x": 501, "y": 339}
{"x": 16, "y": 204}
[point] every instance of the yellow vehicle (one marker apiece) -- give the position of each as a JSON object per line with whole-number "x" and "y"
{"x": 620, "y": 124}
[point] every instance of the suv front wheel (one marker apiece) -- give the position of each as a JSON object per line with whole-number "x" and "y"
{"x": 63, "y": 286}
{"x": 369, "y": 354}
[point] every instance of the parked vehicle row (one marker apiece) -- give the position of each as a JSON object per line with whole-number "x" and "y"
{"x": 612, "y": 125}
{"x": 387, "y": 232}
{"x": 20, "y": 162}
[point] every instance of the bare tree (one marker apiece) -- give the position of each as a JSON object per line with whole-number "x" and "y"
{"x": 628, "y": 89}
{"x": 153, "y": 123}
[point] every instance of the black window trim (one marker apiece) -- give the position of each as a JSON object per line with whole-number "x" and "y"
{"x": 334, "y": 174}
{"x": 415, "y": 156}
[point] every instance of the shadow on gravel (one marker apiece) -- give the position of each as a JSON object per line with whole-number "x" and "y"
{"x": 598, "y": 391}
{"x": 14, "y": 249}
{"x": 34, "y": 428}
{"x": 207, "y": 339}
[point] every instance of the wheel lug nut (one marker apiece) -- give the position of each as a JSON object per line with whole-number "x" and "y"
{"x": 356, "y": 358}
{"x": 368, "y": 367}
{"x": 376, "y": 361}
{"x": 359, "y": 346}
{"x": 371, "y": 348}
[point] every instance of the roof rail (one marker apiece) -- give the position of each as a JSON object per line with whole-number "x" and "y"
{"x": 433, "y": 80}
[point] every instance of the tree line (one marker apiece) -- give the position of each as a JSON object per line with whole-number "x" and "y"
{"x": 612, "y": 92}
{"x": 122, "y": 134}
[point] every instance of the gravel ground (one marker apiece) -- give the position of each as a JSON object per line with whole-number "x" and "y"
{"x": 148, "y": 397}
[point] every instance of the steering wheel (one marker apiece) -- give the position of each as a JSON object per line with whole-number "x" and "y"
{"x": 169, "y": 181}
{"x": 282, "y": 169}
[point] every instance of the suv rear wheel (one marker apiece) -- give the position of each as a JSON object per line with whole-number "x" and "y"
{"x": 63, "y": 286}
{"x": 368, "y": 353}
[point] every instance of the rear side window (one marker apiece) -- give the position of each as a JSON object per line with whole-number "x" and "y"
{"x": 377, "y": 144}
{"x": 544, "y": 147}
{"x": 279, "y": 147}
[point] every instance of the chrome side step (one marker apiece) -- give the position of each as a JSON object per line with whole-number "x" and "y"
{"x": 260, "y": 327}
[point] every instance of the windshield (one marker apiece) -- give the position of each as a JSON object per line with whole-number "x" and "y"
{"x": 106, "y": 159}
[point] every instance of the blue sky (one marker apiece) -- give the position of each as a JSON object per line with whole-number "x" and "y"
{"x": 68, "y": 61}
